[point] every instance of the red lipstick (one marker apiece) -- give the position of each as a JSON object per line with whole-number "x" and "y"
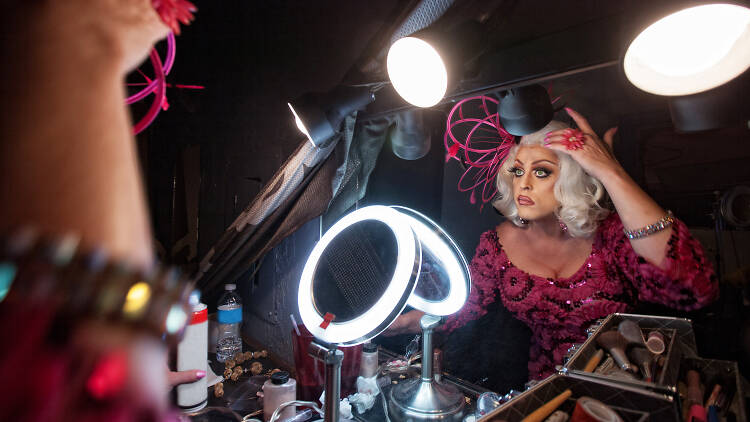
{"x": 524, "y": 200}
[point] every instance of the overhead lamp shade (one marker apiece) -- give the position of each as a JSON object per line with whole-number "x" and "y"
{"x": 690, "y": 51}
{"x": 713, "y": 109}
{"x": 417, "y": 71}
{"x": 525, "y": 110}
{"x": 319, "y": 116}
{"x": 424, "y": 65}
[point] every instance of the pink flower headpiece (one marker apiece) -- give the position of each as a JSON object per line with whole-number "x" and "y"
{"x": 477, "y": 131}
{"x": 172, "y": 12}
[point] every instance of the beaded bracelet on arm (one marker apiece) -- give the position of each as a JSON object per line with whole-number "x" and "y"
{"x": 658, "y": 226}
{"x": 90, "y": 285}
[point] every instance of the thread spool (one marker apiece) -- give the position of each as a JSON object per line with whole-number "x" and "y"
{"x": 591, "y": 410}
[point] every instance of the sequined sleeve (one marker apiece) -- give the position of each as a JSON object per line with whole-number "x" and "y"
{"x": 687, "y": 281}
{"x": 485, "y": 275}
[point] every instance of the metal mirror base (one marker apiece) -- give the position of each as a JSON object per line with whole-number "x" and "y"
{"x": 424, "y": 398}
{"x": 418, "y": 400}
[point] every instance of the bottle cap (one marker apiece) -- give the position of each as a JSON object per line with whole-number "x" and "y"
{"x": 195, "y": 298}
{"x": 280, "y": 377}
{"x": 370, "y": 347}
{"x": 230, "y": 286}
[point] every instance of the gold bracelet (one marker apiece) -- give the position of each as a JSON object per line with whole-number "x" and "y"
{"x": 660, "y": 225}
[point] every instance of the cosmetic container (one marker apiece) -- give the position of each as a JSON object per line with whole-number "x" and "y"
{"x": 369, "y": 365}
{"x": 277, "y": 390}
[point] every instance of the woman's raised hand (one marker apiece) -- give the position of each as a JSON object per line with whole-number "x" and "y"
{"x": 591, "y": 152}
{"x": 407, "y": 323}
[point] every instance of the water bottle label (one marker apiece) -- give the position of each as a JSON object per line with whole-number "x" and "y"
{"x": 230, "y": 316}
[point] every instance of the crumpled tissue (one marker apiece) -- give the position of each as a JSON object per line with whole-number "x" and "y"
{"x": 345, "y": 408}
{"x": 367, "y": 391}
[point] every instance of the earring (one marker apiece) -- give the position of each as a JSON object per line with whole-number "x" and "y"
{"x": 523, "y": 221}
{"x": 563, "y": 226}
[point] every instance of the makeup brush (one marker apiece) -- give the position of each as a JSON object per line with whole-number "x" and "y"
{"x": 615, "y": 344}
{"x": 544, "y": 410}
{"x": 594, "y": 361}
{"x": 643, "y": 358}
{"x": 632, "y": 332}
{"x": 697, "y": 412}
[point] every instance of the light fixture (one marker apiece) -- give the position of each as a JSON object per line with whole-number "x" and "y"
{"x": 319, "y": 116}
{"x": 690, "y": 51}
{"x": 417, "y": 71}
{"x": 410, "y": 139}
{"x": 424, "y": 65}
{"x": 357, "y": 280}
{"x": 735, "y": 206}
{"x": 525, "y": 110}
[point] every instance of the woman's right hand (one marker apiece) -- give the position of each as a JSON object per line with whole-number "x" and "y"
{"x": 407, "y": 323}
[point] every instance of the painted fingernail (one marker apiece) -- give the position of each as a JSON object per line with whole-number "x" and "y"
{"x": 568, "y": 109}
{"x": 200, "y": 374}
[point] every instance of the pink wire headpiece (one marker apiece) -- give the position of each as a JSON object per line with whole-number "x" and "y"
{"x": 485, "y": 145}
{"x": 172, "y": 12}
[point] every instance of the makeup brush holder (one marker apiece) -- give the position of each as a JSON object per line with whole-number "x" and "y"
{"x": 724, "y": 373}
{"x": 631, "y": 404}
{"x": 679, "y": 341}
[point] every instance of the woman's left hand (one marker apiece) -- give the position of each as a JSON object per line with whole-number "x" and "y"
{"x": 593, "y": 154}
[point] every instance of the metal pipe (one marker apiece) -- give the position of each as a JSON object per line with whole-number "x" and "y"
{"x": 428, "y": 323}
{"x": 332, "y": 357}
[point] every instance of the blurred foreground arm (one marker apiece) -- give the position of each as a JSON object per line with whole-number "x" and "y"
{"x": 67, "y": 157}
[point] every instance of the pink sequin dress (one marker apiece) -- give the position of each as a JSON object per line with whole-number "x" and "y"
{"x": 612, "y": 279}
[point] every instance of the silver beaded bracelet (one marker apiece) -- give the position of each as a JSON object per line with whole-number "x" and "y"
{"x": 660, "y": 225}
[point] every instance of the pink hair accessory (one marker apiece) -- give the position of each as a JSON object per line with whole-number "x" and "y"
{"x": 475, "y": 129}
{"x": 574, "y": 139}
{"x": 157, "y": 86}
{"x": 174, "y": 12}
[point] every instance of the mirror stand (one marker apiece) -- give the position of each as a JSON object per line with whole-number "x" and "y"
{"x": 332, "y": 357}
{"x": 425, "y": 398}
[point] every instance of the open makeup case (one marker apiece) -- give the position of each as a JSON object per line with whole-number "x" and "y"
{"x": 675, "y": 379}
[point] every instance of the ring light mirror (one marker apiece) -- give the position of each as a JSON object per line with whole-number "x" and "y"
{"x": 444, "y": 282}
{"x": 359, "y": 278}
{"x": 360, "y": 274}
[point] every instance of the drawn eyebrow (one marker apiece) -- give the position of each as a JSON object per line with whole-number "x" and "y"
{"x": 541, "y": 161}
{"x": 537, "y": 162}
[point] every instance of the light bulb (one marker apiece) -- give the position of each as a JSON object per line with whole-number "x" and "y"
{"x": 691, "y": 51}
{"x": 417, "y": 72}
{"x": 300, "y": 125}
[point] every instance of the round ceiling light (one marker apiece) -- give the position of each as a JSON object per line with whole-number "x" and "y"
{"x": 690, "y": 51}
{"x": 417, "y": 71}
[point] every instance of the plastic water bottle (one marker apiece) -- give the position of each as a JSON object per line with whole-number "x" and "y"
{"x": 229, "y": 341}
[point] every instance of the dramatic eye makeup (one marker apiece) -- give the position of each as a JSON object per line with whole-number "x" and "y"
{"x": 540, "y": 172}
{"x": 516, "y": 171}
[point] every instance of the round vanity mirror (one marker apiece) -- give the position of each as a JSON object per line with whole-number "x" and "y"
{"x": 359, "y": 276}
{"x": 370, "y": 264}
{"x": 444, "y": 282}
{"x": 358, "y": 279}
